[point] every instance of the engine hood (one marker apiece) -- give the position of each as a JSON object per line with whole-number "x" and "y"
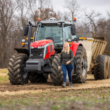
{"x": 40, "y": 43}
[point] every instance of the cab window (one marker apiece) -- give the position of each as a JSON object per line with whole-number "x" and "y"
{"x": 67, "y": 33}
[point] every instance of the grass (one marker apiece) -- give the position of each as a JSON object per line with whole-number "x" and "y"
{"x": 4, "y": 79}
{"x": 89, "y": 98}
{"x": 3, "y": 71}
{"x": 54, "y": 100}
{"x": 4, "y": 76}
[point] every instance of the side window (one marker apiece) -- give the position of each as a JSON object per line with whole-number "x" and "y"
{"x": 67, "y": 32}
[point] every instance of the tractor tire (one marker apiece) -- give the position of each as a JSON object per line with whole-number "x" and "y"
{"x": 57, "y": 75}
{"x": 17, "y": 75}
{"x": 38, "y": 78}
{"x": 79, "y": 74}
{"x": 101, "y": 71}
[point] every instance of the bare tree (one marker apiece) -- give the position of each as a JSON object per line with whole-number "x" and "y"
{"x": 108, "y": 21}
{"x": 83, "y": 27}
{"x": 22, "y": 15}
{"x": 72, "y": 6}
{"x": 37, "y": 7}
{"x": 66, "y": 16}
{"x": 42, "y": 6}
{"x": 92, "y": 16}
{"x": 7, "y": 9}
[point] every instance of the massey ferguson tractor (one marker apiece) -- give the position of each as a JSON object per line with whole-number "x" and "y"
{"x": 43, "y": 54}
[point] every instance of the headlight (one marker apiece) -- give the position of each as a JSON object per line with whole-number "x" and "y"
{"x": 23, "y": 40}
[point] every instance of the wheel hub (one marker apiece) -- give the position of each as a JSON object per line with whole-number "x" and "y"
{"x": 84, "y": 67}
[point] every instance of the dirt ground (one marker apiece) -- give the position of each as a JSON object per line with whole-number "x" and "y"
{"x": 92, "y": 95}
{"x": 8, "y": 89}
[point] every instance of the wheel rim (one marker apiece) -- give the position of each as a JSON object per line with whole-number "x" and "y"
{"x": 83, "y": 67}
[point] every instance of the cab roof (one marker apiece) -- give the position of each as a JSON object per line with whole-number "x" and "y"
{"x": 50, "y": 22}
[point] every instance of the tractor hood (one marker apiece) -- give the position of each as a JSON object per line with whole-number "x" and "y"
{"x": 40, "y": 43}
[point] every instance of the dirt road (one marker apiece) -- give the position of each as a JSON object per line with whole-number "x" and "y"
{"x": 8, "y": 89}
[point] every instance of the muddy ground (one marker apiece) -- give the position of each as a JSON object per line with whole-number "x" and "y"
{"x": 31, "y": 96}
{"x": 7, "y": 88}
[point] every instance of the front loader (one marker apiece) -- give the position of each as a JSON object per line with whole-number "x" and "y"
{"x": 43, "y": 54}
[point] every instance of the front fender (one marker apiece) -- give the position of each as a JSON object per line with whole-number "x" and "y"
{"x": 74, "y": 47}
{"x": 21, "y": 50}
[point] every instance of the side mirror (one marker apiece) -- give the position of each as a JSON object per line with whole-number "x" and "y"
{"x": 73, "y": 30}
{"x": 26, "y": 28}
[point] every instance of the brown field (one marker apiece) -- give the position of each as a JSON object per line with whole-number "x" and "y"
{"x": 90, "y": 95}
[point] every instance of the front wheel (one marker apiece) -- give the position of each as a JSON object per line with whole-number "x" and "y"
{"x": 57, "y": 75}
{"x": 16, "y": 72}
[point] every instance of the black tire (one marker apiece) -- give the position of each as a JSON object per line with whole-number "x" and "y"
{"x": 101, "y": 71}
{"x": 17, "y": 75}
{"x": 80, "y": 66}
{"x": 38, "y": 78}
{"x": 57, "y": 75}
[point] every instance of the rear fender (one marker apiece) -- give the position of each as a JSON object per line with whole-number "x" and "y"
{"x": 21, "y": 50}
{"x": 74, "y": 47}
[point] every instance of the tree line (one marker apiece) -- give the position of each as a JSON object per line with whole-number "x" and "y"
{"x": 15, "y": 14}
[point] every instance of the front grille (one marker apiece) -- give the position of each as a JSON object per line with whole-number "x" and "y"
{"x": 37, "y": 53}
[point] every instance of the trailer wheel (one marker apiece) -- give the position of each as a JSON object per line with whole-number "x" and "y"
{"x": 80, "y": 66}
{"x": 101, "y": 71}
{"x": 17, "y": 75}
{"x": 57, "y": 75}
{"x": 38, "y": 78}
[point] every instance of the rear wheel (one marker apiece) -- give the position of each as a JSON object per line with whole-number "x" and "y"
{"x": 57, "y": 75}
{"x": 17, "y": 74}
{"x": 101, "y": 71}
{"x": 80, "y": 66}
{"x": 38, "y": 78}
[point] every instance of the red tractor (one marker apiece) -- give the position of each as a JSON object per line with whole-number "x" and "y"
{"x": 43, "y": 54}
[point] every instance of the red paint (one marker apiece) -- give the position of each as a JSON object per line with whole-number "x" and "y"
{"x": 49, "y": 53}
{"x": 36, "y": 44}
{"x": 40, "y": 43}
{"x": 74, "y": 47}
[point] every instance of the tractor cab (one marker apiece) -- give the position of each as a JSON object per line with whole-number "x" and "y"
{"x": 57, "y": 31}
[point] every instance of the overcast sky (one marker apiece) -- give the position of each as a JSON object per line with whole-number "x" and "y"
{"x": 99, "y": 5}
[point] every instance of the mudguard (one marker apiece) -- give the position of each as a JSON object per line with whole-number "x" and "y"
{"x": 74, "y": 47}
{"x": 21, "y": 50}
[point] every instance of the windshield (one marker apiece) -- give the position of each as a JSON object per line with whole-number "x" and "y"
{"x": 54, "y": 32}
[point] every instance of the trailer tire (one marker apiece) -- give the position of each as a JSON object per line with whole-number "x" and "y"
{"x": 79, "y": 74}
{"x": 17, "y": 75}
{"x": 101, "y": 71}
{"x": 38, "y": 78}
